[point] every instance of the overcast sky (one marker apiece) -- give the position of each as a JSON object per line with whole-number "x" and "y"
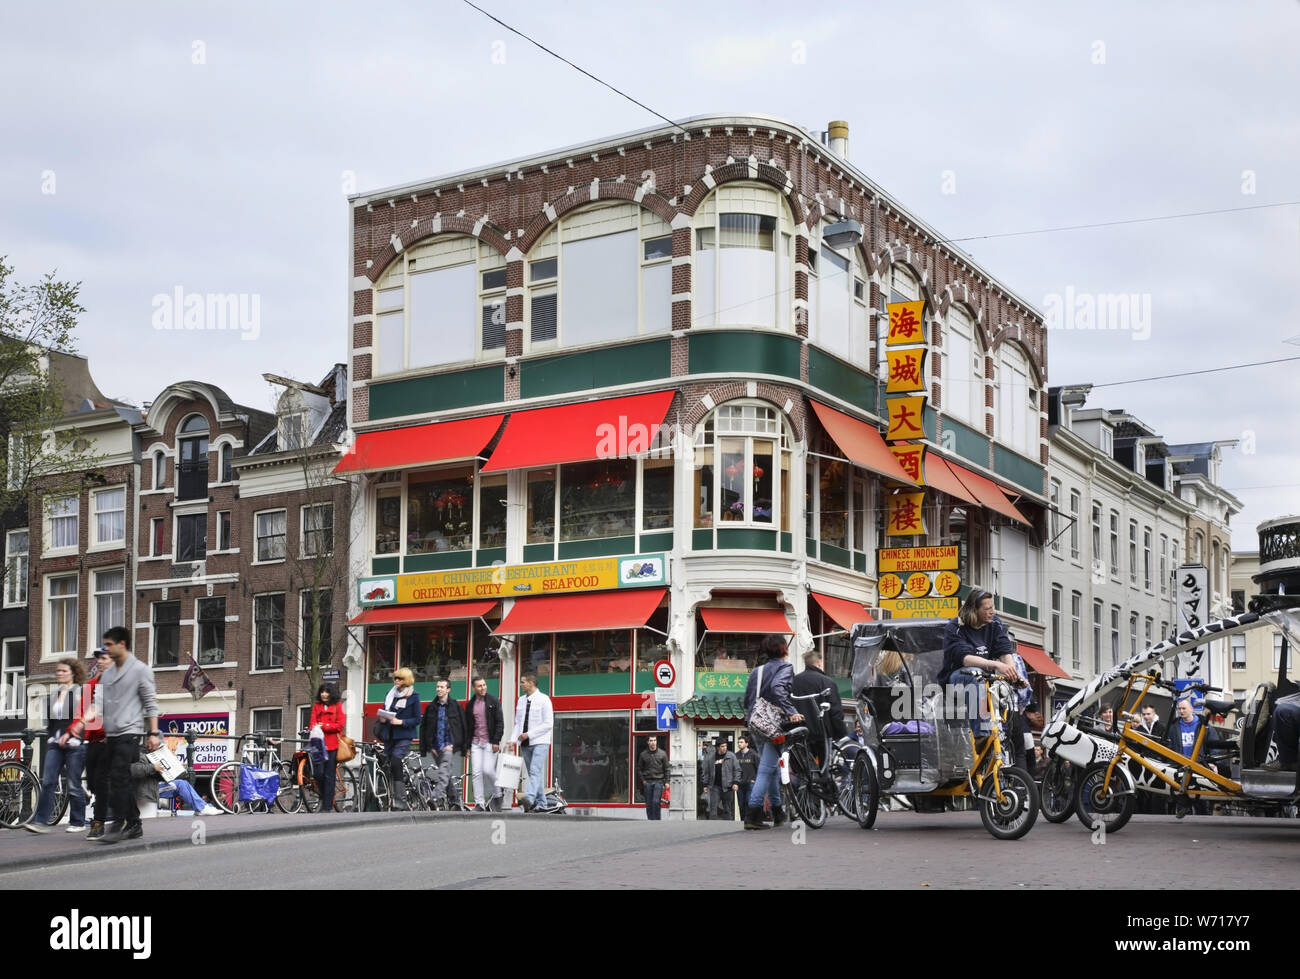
{"x": 208, "y": 147}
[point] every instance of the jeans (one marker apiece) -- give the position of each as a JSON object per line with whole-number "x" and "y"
{"x": 449, "y": 761}
{"x": 653, "y": 793}
{"x": 721, "y": 805}
{"x": 534, "y": 756}
{"x": 970, "y": 693}
{"x": 1286, "y": 727}
{"x": 396, "y": 751}
{"x": 326, "y": 781}
{"x": 56, "y": 759}
{"x": 97, "y": 777}
{"x": 185, "y": 792}
{"x": 484, "y": 764}
{"x": 766, "y": 782}
{"x": 123, "y": 752}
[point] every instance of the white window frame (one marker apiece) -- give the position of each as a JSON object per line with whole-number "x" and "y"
{"x": 1132, "y": 553}
{"x": 763, "y": 202}
{"x": 284, "y": 639}
{"x": 224, "y": 545}
{"x": 17, "y": 568}
{"x": 1277, "y": 651}
{"x": 1076, "y": 513}
{"x": 159, "y": 469}
{"x": 782, "y": 518}
{"x": 257, "y": 536}
{"x": 1057, "y": 599}
{"x": 1148, "y": 565}
{"x": 252, "y": 718}
{"x": 1238, "y": 642}
{"x": 300, "y": 652}
{"x": 154, "y": 549}
{"x": 13, "y": 673}
{"x": 304, "y": 533}
{"x": 965, "y": 406}
{"x": 1055, "y": 517}
{"x": 153, "y": 634}
{"x": 94, "y": 543}
{"x": 1076, "y": 628}
{"x": 198, "y": 634}
{"x": 1016, "y": 424}
{"x": 48, "y": 550}
{"x": 47, "y": 637}
{"x": 1116, "y": 569}
{"x": 98, "y": 628}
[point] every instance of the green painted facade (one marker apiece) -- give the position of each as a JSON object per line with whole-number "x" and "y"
{"x": 966, "y": 442}
{"x": 630, "y": 363}
{"x": 599, "y": 547}
{"x": 1015, "y": 467}
{"x": 438, "y": 561}
{"x": 385, "y": 565}
{"x": 842, "y": 380}
{"x": 744, "y": 352}
{"x": 437, "y": 392}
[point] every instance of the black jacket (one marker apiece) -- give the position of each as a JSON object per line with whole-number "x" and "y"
{"x": 652, "y": 766}
{"x": 813, "y": 680}
{"x": 492, "y": 714}
{"x": 457, "y": 735}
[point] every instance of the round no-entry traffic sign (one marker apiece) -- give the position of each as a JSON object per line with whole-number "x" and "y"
{"x": 665, "y": 675}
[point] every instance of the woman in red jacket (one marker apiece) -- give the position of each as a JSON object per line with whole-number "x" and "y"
{"x": 328, "y": 713}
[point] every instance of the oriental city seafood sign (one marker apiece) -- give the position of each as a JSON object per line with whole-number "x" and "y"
{"x": 515, "y": 580}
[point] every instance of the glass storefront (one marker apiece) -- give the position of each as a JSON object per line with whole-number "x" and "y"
{"x": 432, "y": 650}
{"x": 592, "y": 756}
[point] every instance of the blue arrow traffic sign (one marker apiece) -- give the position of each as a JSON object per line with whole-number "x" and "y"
{"x": 667, "y": 717}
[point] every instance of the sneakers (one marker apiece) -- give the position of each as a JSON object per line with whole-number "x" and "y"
{"x": 78, "y": 829}
{"x": 35, "y": 827}
{"x": 133, "y": 831}
{"x": 1276, "y": 765}
{"x": 209, "y": 811}
{"x": 96, "y": 831}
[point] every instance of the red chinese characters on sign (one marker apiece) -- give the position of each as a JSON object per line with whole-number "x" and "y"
{"x": 912, "y": 460}
{"x": 905, "y": 418}
{"x": 906, "y": 370}
{"x": 905, "y": 515}
{"x": 905, "y": 323}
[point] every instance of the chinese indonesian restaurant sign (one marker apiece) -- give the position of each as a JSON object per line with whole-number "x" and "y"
{"x": 918, "y": 582}
{"x": 514, "y": 580}
{"x": 911, "y": 456}
{"x": 905, "y": 420}
{"x": 906, "y": 370}
{"x": 905, "y": 324}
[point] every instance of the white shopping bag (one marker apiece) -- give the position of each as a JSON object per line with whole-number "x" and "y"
{"x": 510, "y": 772}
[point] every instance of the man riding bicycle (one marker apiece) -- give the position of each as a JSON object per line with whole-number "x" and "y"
{"x": 976, "y": 638}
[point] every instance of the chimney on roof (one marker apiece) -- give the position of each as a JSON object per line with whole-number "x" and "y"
{"x": 837, "y": 133}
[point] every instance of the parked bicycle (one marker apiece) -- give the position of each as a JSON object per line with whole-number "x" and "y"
{"x": 808, "y": 789}
{"x": 228, "y": 781}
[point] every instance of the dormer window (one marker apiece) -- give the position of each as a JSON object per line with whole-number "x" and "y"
{"x": 291, "y": 422}
{"x": 1107, "y": 440}
{"x": 192, "y": 471}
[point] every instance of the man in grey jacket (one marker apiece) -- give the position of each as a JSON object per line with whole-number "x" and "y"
{"x": 721, "y": 776}
{"x": 130, "y": 713}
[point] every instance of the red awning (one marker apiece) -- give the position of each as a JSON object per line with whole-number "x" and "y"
{"x": 860, "y": 442}
{"x": 763, "y": 620}
{"x": 590, "y": 612}
{"x": 939, "y": 476}
{"x": 429, "y": 612}
{"x": 988, "y": 493}
{"x": 420, "y": 445}
{"x": 1039, "y": 661}
{"x": 610, "y": 428}
{"x": 846, "y": 614}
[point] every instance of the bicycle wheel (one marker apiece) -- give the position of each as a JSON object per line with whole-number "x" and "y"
{"x": 60, "y": 798}
{"x": 866, "y": 790}
{"x": 20, "y": 791}
{"x": 380, "y": 796}
{"x": 1056, "y": 796}
{"x": 811, "y": 807}
{"x": 346, "y": 791}
{"x": 1095, "y": 802}
{"x": 225, "y": 788}
{"x": 288, "y": 799}
{"x": 841, "y": 772}
{"x": 1013, "y": 815}
{"x": 307, "y": 786}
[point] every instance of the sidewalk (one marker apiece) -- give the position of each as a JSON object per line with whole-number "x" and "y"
{"x": 22, "y": 849}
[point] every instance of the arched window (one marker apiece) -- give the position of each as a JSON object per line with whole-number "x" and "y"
{"x": 743, "y": 259}
{"x": 963, "y": 369}
{"x": 742, "y": 466}
{"x": 192, "y": 468}
{"x": 837, "y": 296}
{"x": 227, "y": 460}
{"x": 159, "y": 469}
{"x": 1017, "y": 419}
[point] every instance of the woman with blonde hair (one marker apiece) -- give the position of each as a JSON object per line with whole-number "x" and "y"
{"x": 398, "y": 725}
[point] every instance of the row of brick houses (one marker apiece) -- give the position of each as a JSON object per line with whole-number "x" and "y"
{"x": 208, "y": 529}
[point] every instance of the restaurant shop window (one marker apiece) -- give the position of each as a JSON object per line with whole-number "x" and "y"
{"x": 742, "y": 467}
{"x": 440, "y": 512}
{"x": 596, "y": 663}
{"x": 455, "y": 650}
{"x": 835, "y": 509}
{"x": 729, "y": 652}
{"x": 598, "y": 500}
{"x": 593, "y": 756}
